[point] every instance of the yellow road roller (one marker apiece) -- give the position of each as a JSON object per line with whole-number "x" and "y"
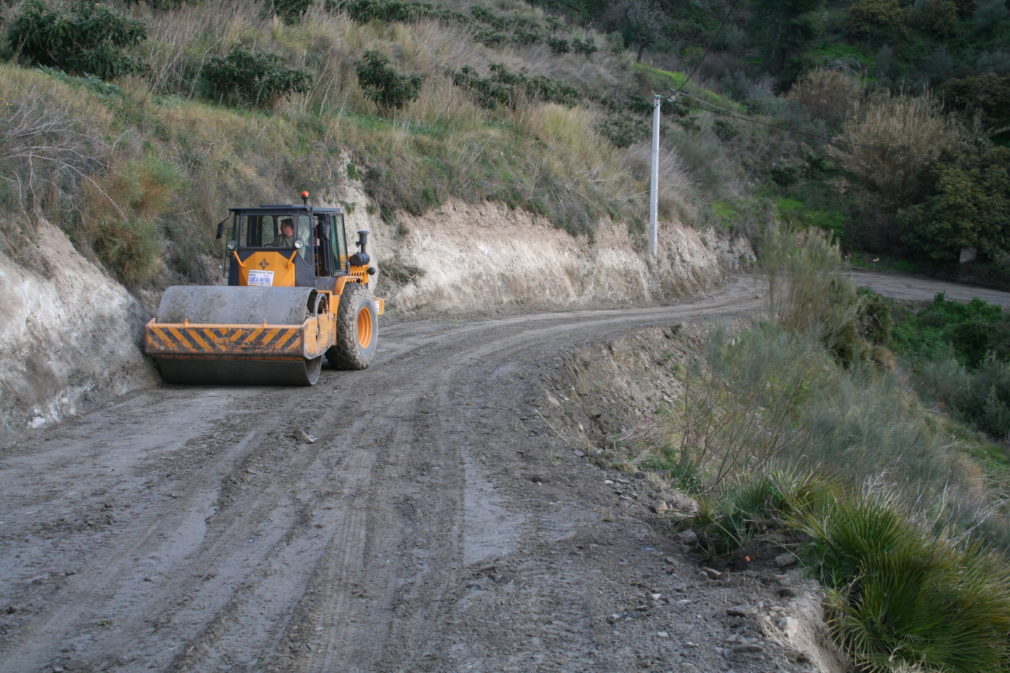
{"x": 294, "y": 296}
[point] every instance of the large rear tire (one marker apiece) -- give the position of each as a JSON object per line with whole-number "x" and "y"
{"x": 357, "y": 329}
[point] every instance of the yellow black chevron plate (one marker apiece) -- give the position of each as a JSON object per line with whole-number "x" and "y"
{"x": 217, "y": 340}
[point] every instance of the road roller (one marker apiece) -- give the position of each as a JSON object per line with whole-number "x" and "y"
{"x": 294, "y": 296}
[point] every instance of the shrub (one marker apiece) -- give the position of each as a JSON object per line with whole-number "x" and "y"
{"x": 827, "y": 94}
{"x": 890, "y": 141}
{"x": 120, "y": 219}
{"x": 47, "y": 149}
{"x": 503, "y": 88}
{"x": 989, "y": 13}
{"x": 869, "y": 18}
{"x": 559, "y": 45}
{"x": 289, "y": 11}
{"x": 987, "y": 94}
{"x": 623, "y": 130}
{"x": 899, "y": 596}
{"x": 254, "y": 78}
{"x": 383, "y": 85}
{"x": 585, "y": 47}
{"x": 969, "y": 208}
{"x": 936, "y": 17}
{"x": 80, "y": 38}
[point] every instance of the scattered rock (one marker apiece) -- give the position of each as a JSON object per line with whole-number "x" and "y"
{"x": 738, "y": 611}
{"x": 303, "y": 436}
{"x": 785, "y": 560}
{"x": 661, "y": 507}
{"x": 747, "y": 648}
{"x": 688, "y": 537}
{"x": 711, "y": 573}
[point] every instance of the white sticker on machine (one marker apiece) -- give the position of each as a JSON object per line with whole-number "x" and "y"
{"x": 259, "y": 277}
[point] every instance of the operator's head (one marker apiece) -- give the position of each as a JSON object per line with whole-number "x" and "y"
{"x": 287, "y": 227}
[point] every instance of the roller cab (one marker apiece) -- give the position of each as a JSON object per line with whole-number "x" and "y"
{"x": 294, "y": 296}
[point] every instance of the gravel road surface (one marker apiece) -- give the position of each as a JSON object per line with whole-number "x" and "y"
{"x": 420, "y": 515}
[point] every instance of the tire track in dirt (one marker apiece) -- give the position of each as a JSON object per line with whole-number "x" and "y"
{"x": 345, "y": 554}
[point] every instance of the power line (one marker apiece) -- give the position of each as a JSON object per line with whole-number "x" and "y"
{"x": 710, "y": 107}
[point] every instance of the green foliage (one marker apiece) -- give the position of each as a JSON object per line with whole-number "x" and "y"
{"x": 80, "y": 38}
{"x": 898, "y": 597}
{"x": 935, "y": 17}
{"x": 120, "y": 219}
{"x": 383, "y": 85}
{"x": 970, "y": 331}
{"x": 969, "y": 207}
{"x": 623, "y": 130}
{"x": 503, "y": 88}
{"x": 253, "y": 78}
{"x": 987, "y": 94}
{"x": 289, "y": 11}
{"x": 363, "y": 11}
{"x": 876, "y": 18}
{"x": 961, "y": 354}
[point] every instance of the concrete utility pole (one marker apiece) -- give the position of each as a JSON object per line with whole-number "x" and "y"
{"x": 654, "y": 187}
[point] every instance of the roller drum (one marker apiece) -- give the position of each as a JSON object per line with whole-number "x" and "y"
{"x": 241, "y": 372}
{"x": 229, "y": 305}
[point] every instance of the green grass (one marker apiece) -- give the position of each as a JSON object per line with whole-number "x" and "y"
{"x": 668, "y": 81}
{"x": 898, "y": 596}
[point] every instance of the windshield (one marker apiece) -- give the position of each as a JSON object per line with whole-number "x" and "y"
{"x": 268, "y": 230}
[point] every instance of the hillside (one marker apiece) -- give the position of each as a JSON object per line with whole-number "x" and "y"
{"x": 505, "y": 184}
{"x": 498, "y": 155}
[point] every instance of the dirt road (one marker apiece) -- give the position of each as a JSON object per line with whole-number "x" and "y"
{"x": 416, "y": 516}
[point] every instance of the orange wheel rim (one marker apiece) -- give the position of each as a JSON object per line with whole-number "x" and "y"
{"x": 365, "y": 327}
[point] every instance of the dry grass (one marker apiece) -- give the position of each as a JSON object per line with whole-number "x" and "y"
{"x": 581, "y": 161}
{"x": 53, "y": 139}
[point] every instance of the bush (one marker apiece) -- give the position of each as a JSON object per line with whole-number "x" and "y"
{"x": 253, "y": 78}
{"x": 503, "y": 88}
{"x": 827, "y": 94}
{"x": 289, "y": 11}
{"x": 80, "y": 38}
{"x": 120, "y": 219}
{"x": 935, "y": 17}
{"x": 623, "y": 130}
{"x": 987, "y": 94}
{"x": 889, "y": 143}
{"x": 869, "y": 18}
{"x": 900, "y": 597}
{"x": 969, "y": 208}
{"x": 388, "y": 89}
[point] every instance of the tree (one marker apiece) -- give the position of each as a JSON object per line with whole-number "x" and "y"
{"x": 383, "y": 85}
{"x": 255, "y": 78}
{"x": 83, "y": 38}
{"x": 638, "y": 22}
{"x": 969, "y": 208}
{"x": 783, "y": 29}
{"x": 890, "y": 141}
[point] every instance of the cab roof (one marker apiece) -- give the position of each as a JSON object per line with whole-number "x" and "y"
{"x": 285, "y": 208}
